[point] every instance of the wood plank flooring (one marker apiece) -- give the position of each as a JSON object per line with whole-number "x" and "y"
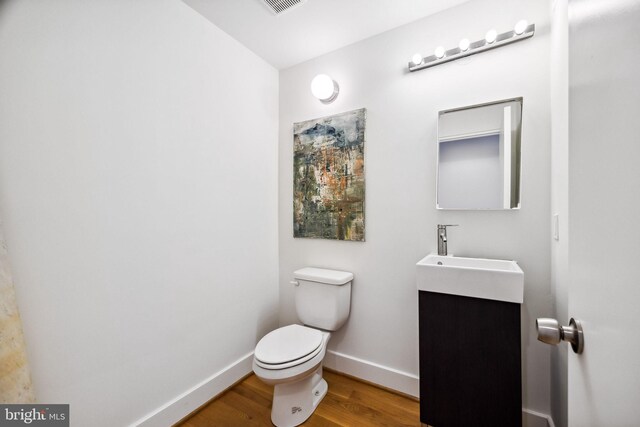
{"x": 348, "y": 402}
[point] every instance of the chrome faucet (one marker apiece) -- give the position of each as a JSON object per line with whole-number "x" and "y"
{"x": 442, "y": 238}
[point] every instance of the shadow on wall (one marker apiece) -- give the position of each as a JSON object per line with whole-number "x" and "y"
{"x": 4, "y": 4}
{"x": 266, "y": 322}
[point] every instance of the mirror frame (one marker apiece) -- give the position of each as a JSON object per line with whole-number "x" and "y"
{"x": 517, "y": 203}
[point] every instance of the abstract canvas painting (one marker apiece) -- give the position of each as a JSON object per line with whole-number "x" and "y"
{"x": 328, "y": 177}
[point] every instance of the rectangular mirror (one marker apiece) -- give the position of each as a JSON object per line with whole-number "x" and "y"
{"x": 479, "y": 156}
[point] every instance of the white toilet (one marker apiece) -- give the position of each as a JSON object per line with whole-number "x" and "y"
{"x": 290, "y": 358}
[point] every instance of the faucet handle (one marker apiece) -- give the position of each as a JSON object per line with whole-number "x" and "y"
{"x": 447, "y": 225}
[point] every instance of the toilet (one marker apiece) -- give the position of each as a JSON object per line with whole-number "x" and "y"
{"x": 290, "y": 358}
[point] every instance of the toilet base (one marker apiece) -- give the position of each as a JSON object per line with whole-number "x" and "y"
{"x": 294, "y": 402}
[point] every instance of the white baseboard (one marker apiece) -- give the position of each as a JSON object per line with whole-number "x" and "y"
{"x": 373, "y": 372}
{"x": 536, "y": 419}
{"x": 192, "y": 399}
{"x": 404, "y": 382}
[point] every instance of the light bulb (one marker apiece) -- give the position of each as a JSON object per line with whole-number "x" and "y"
{"x": 464, "y": 45}
{"x": 491, "y": 36}
{"x": 416, "y": 59}
{"x": 520, "y": 27}
{"x": 322, "y": 87}
{"x": 439, "y": 52}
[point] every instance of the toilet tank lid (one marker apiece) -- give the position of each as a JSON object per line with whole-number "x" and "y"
{"x": 322, "y": 275}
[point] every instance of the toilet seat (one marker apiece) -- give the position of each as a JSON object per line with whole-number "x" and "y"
{"x": 288, "y": 346}
{"x": 277, "y": 374}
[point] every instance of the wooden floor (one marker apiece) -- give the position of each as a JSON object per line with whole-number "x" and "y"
{"x": 348, "y": 403}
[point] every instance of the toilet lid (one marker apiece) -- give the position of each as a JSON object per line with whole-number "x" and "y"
{"x": 287, "y": 344}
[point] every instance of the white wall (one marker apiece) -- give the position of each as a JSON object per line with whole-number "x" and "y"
{"x": 400, "y": 152}
{"x": 138, "y": 186}
{"x": 559, "y": 199}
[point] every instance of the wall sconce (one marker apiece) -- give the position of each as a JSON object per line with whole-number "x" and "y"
{"x": 521, "y": 31}
{"x": 324, "y": 88}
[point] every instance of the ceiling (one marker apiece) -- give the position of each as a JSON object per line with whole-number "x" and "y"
{"x": 313, "y": 28}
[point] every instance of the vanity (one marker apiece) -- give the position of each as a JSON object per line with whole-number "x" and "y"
{"x": 470, "y": 347}
{"x": 469, "y": 308}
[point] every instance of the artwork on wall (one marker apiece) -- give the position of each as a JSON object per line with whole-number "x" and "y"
{"x": 328, "y": 177}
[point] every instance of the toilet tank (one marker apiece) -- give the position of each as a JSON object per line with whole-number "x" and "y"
{"x": 323, "y": 297}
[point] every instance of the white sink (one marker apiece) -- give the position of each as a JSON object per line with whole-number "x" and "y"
{"x": 493, "y": 279}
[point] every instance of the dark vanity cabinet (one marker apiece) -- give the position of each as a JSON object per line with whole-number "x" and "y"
{"x": 470, "y": 361}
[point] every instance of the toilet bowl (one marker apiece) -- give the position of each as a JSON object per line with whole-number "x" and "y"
{"x": 290, "y": 358}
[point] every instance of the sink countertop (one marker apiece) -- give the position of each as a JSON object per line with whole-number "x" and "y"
{"x": 500, "y": 280}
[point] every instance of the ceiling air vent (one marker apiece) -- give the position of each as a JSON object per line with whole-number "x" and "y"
{"x": 280, "y": 6}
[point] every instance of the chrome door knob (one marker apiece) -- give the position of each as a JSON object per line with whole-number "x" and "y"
{"x": 550, "y": 332}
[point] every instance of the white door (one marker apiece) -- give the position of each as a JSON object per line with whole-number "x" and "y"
{"x": 604, "y": 211}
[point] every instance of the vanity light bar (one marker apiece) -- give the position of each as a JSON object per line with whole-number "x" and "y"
{"x": 418, "y": 63}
